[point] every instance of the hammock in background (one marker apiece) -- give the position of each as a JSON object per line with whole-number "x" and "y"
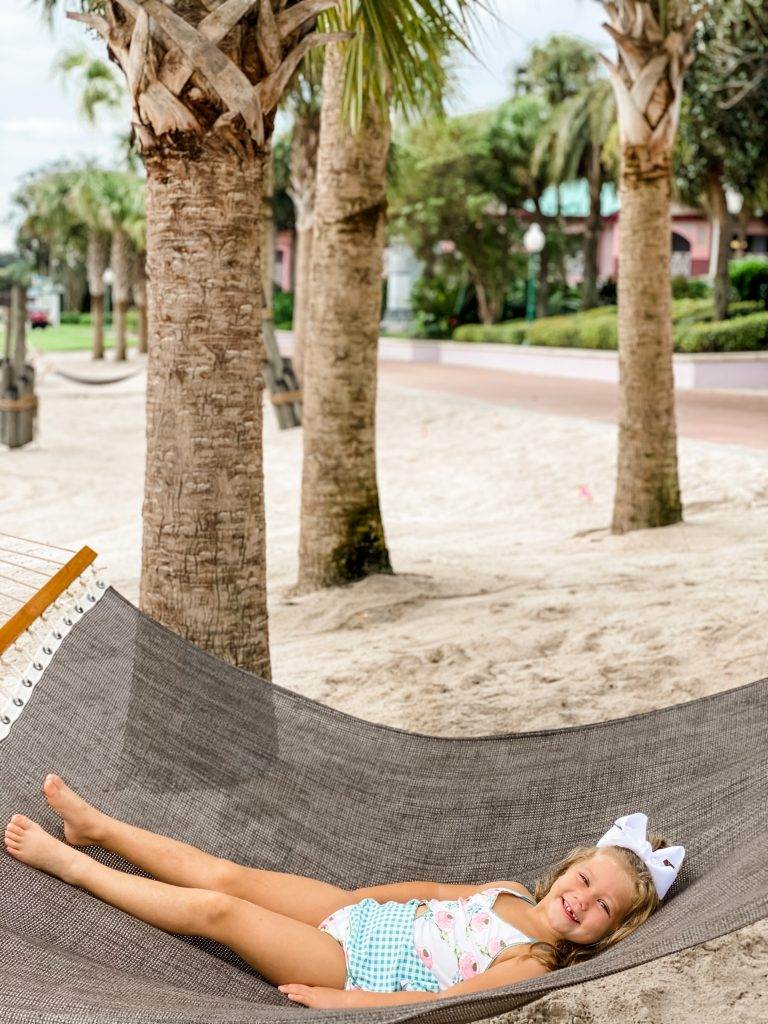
{"x": 162, "y": 734}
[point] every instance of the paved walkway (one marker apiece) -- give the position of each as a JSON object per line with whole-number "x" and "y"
{"x": 726, "y": 417}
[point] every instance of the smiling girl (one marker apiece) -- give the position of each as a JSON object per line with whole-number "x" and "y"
{"x": 327, "y": 947}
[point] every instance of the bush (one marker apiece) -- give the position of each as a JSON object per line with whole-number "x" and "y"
{"x": 512, "y": 332}
{"x": 282, "y": 309}
{"x": 435, "y": 299}
{"x": 75, "y": 318}
{"x": 598, "y": 329}
{"x": 690, "y": 288}
{"x": 740, "y": 334}
{"x": 749, "y": 279}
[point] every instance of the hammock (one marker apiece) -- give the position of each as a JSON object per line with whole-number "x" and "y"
{"x": 164, "y": 735}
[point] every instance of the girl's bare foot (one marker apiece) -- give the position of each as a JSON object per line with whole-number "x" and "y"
{"x": 32, "y": 845}
{"x": 81, "y": 821}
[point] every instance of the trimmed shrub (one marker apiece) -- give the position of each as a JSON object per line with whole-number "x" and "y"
{"x": 740, "y": 334}
{"x": 690, "y": 288}
{"x": 70, "y": 317}
{"x": 749, "y": 279}
{"x": 512, "y": 332}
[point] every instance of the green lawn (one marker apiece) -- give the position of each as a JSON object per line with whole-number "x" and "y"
{"x": 70, "y": 338}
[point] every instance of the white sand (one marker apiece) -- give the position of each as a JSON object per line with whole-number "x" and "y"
{"x": 513, "y": 607}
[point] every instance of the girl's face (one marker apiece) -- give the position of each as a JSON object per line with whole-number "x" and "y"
{"x": 589, "y": 900}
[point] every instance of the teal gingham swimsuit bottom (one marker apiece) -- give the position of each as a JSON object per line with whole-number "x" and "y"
{"x": 378, "y": 943}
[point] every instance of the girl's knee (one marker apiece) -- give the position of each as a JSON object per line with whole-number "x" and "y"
{"x": 215, "y": 907}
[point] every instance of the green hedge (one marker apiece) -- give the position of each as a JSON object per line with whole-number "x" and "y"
{"x": 598, "y": 329}
{"x": 749, "y": 278}
{"x": 741, "y": 334}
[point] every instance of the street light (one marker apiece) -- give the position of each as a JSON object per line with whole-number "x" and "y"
{"x": 733, "y": 202}
{"x": 533, "y": 241}
{"x": 108, "y": 277}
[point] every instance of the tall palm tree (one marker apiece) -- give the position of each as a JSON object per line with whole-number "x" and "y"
{"x": 204, "y": 80}
{"x": 85, "y": 202}
{"x": 121, "y": 198}
{"x": 304, "y": 104}
{"x": 571, "y": 144}
{"x": 653, "y": 43}
{"x": 48, "y": 229}
{"x": 395, "y": 58}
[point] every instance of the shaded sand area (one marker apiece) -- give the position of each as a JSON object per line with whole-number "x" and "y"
{"x": 512, "y": 607}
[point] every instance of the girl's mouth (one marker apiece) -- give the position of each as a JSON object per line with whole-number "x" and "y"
{"x": 567, "y": 910}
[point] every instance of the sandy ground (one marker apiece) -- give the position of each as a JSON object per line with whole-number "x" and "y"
{"x": 512, "y": 607}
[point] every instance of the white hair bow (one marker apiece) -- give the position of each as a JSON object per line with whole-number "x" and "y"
{"x": 664, "y": 864}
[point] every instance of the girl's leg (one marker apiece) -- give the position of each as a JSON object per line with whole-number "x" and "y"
{"x": 304, "y": 899}
{"x": 280, "y": 948}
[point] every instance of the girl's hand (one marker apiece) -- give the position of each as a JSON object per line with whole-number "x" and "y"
{"x": 316, "y": 997}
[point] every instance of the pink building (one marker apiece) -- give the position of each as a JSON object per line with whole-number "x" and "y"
{"x": 692, "y": 240}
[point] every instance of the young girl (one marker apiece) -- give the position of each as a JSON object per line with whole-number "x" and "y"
{"x": 327, "y": 947}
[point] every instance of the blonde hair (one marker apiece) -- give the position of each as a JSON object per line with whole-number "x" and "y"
{"x": 645, "y": 901}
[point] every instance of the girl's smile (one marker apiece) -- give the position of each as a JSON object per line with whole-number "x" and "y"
{"x": 587, "y": 900}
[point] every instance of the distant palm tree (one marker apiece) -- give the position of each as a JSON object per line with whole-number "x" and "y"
{"x": 98, "y": 85}
{"x": 653, "y": 41}
{"x": 121, "y": 203}
{"x": 396, "y": 58}
{"x": 85, "y": 201}
{"x": 303, "y": 101}
{"x": 571, "y": 145}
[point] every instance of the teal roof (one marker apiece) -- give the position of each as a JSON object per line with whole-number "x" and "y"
{"x": 574, "y": 199}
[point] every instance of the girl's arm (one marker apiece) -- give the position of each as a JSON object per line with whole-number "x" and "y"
{"x": 517, "y": 968}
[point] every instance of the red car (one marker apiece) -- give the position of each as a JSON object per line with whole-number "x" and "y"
{"x": 38, "y": 318}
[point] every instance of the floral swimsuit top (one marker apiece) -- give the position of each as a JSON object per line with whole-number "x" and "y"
{"x": 457, "y": 939}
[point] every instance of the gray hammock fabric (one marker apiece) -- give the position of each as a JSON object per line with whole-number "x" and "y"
{"x": 166, "y": 736}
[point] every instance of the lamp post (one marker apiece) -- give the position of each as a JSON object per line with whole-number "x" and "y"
{"x": 533, "y": 241}
{"x": 734, "y": 201}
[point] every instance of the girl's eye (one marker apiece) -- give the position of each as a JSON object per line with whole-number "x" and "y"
{"x": 585, "y": 880}
{"x": 605, "y": 908}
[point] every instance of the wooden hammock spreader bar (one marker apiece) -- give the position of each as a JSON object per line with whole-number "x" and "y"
{"x": 45, "y": 597}
{"x": 283, "y": 397}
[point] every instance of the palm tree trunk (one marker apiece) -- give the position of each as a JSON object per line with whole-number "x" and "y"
{"x": 301, "y": 294}
{"x": 121, "y": 288}
{"x": 17, "y": 315}
{"x": 592, "y": 230}
{"x": 648, "y": 85}
{"x": 203, "y": 549}
{"x": 647, "y": 489}
{"x": 306, "y": 132}
{"x": 719, "y": 212}
{"x": 342, "y": 535}
{"x": 96, "y": 264}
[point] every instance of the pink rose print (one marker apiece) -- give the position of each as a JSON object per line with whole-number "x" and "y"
{"x": 479, "y": 921}
{"x": 426, "y": 957}
{"x": 495, "y": 946}
{"x": 467, "y": 966}
{"x": 444, "y": 920}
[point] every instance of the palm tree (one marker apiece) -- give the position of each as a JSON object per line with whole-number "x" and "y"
{"x": 121, "y": 199}
{"x": 98, "y": 86}
{"x": 85, "y": 203}
{"x": 49, "y": 231}
{"x": 571, "y": 144}
{"x": 304, "y": 104}
{"x": 653, "y": 42}
{"x": 204, "y": 81}
{"x": 395, "y": 58}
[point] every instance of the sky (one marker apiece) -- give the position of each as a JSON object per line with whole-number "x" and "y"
{"x": 39, "y": 121}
